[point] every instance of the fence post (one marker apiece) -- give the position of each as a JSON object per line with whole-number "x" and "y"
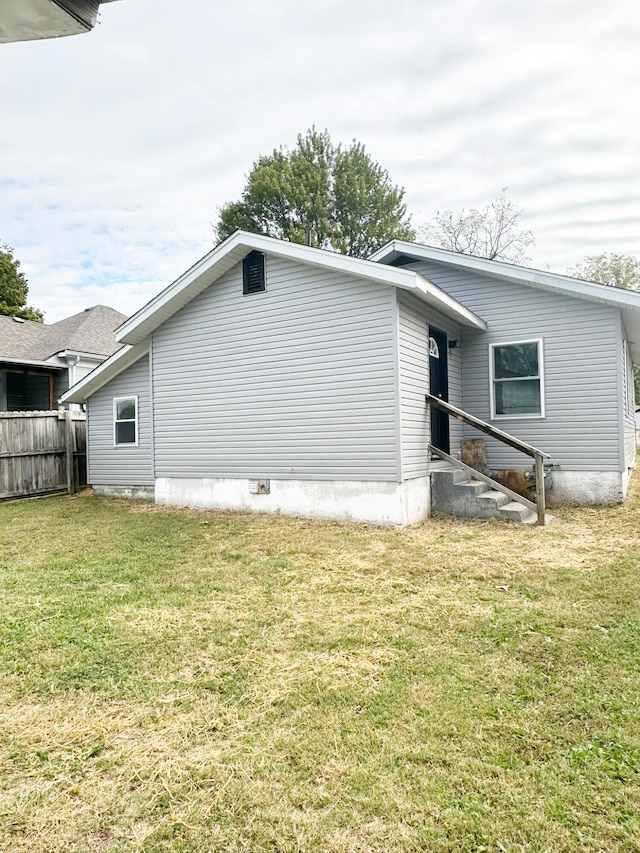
{"x": 70, "y": 446}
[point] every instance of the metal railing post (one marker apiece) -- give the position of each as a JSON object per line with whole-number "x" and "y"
{"x": 510, "y": 440}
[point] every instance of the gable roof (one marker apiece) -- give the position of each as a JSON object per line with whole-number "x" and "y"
{"x": 628, "y": 301}
{"x": 19, "y": 338}
{"x": 135, "y": 331}
{"x": 232, "y": 250}
{"x": 91, "y": 332}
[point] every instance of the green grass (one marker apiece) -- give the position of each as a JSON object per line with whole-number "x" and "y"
{"x": 198, "y": 682}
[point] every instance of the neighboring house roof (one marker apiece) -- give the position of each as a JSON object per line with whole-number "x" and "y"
{"x": 19, "y": 338}
{"x": 105, "y": 372}
{"x": 90, "y": 332}
{"x": 135, "y": 331}
{"x": 627, "y": 300}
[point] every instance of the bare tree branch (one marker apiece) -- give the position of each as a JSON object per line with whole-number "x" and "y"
{"x": 493, "y": 232}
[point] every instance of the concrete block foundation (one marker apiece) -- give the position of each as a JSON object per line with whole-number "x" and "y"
{"x": 374, "y": 502}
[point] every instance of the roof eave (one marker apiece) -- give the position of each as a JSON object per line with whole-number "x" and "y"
{"x": 72, "y": 353}
{"x": 511, "y": 272}
{"x": 31, "y": 362}
{"x": 439, "y": 299}
{"x": 627, "y": 301}
{"x": 105, "y": 372}
{"x": 225, "y": 255}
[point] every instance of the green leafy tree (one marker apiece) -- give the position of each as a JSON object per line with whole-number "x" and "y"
{"x": 339, "y": 197}
{"x": 615, "y": 271}
{"x": 14, "y": 288}
{"x": 610, "y": 269}
{"x": 492, "y": 232}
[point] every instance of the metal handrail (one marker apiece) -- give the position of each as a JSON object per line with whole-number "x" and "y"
{"x": 537, "y": 455}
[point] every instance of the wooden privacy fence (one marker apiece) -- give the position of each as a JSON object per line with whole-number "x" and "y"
{"x": 42, "y": 452}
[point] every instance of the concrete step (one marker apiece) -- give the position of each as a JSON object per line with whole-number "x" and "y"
{"x": 513, "y": 511}
{"x": 454, "y": 493}
{"x": 490, "y": 502}
{"x": 475, "y": 487}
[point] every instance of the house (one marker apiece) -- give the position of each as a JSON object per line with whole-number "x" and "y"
{"x": 39, "y": 362}
{"x": 26, "y": 20}
{"x": 278, "y": 377}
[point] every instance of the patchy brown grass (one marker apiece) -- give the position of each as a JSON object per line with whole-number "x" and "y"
{"x": 188, "y": 681}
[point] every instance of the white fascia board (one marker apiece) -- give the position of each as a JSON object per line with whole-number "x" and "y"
{"x": 104, "y": 373}
{"x": 86, "y": 356}
{"x": 441, "y": 301}
{"x": 628, "y": 301}
{"x": 30, "y": 362}
{"x": 230, "y": 252}
{"x": 511, "y": 272}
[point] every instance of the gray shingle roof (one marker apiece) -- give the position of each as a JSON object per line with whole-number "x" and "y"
{"x": 19, "y": 340}
{"x": 90, "y": 331}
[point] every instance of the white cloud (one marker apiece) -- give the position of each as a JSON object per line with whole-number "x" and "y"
{"x": 123, "y": 142}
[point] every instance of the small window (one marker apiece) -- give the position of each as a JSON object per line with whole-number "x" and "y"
{"x": 125, "y": 420}
{"x": 516, "y": 380}
{"x": 434, "y": 352}
{"x": 253, "y": 277}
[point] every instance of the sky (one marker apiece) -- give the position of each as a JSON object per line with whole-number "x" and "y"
{"x": 119, "y": 146}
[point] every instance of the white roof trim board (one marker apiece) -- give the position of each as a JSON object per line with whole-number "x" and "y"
{"x": 627, "y": 300}
{"x": 30, "y": 362}
{"x": 227, "y": 254}
{"x": 105, "y": 372}
{"x": 135, "y": 331}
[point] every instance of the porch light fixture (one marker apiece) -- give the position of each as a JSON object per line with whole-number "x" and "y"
{"x": 454, "y": 344}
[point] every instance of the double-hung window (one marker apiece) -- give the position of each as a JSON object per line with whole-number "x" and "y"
{"x": 125, "y": 420}
{"x": 517, "y": 389}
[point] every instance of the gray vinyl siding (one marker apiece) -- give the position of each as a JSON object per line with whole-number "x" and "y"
{"x": 297, "y": 382}
{"x": 123, "y": 465}
{"x": 414, "y": 318}
{"x": 581, "y": 350}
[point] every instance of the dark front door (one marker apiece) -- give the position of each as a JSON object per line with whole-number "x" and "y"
{"x": 439, "y": 387}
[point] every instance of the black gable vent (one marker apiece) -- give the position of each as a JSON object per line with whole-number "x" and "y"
{"x": 253, "y": 279}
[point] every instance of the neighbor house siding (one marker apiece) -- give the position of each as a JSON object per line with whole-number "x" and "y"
{"x": 414, "y": 319}
{"x": 122, "y": 465}
{"x": 296, "y": 382}
{"x": 60, "y": 385}
{"x": 581, "y": 424}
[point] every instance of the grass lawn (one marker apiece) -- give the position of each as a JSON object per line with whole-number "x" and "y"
{"x": 188, "y": 681}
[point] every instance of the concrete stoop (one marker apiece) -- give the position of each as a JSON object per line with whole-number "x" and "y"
{"x": 453, "y": 493}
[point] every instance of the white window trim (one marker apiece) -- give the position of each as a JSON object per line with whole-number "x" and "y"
{"x": 116, "y": 400}
{"x": 492, "y": 387}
